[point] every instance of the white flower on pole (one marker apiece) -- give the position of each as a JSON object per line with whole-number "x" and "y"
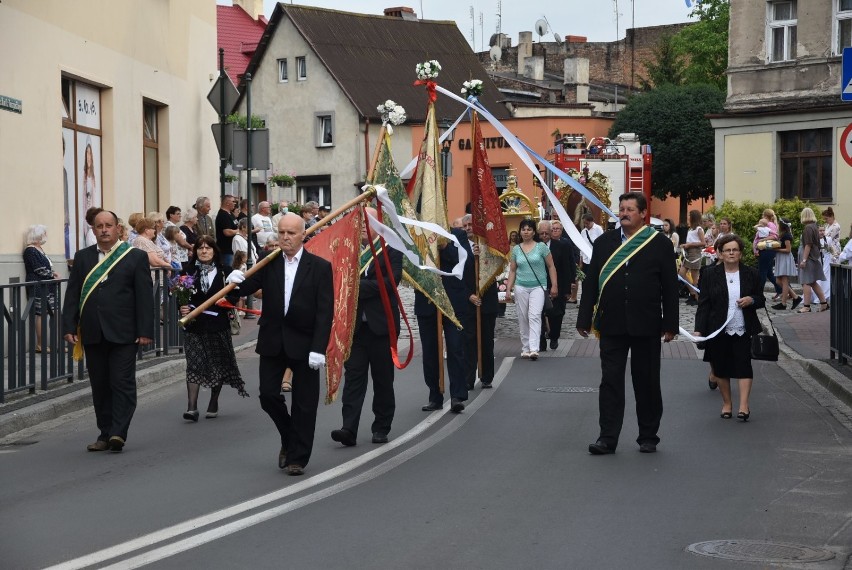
{"x": 392, "y": 114}
{"x": 428, "y": 69}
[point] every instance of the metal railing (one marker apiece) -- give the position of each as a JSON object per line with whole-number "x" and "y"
{"x": 840, "y": 341}
{"x": 26, "y": 370}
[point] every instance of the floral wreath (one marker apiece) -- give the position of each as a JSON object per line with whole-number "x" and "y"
{"x": 392, "y": 114}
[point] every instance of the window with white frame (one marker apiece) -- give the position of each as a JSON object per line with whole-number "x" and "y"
{"x": 843, "y": 24}
{"x": 325, "y": 129}
{"x": 282, "y": 70}
{"x": 781, "y": 30}
{"x": 301, "y": 68}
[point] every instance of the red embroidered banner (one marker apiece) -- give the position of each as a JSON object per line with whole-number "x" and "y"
{"x": 340, "y": 244}
{"x": 489, "y": 226}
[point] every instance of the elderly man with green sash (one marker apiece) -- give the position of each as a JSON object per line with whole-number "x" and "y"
{"x": 630, "y": 301}
{"x": 108, "y": 312}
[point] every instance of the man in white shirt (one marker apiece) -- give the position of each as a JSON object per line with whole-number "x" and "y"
{"x": 283, "y": 208}
{"x": 591, "y": 232}
{"x": 263, "y": 222}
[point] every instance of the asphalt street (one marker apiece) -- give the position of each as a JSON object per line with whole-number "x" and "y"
{"x": 506, "y": 484}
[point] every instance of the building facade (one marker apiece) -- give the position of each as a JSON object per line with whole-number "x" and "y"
{"x": 782, "y": 132}
{"x": 102, "y": 104}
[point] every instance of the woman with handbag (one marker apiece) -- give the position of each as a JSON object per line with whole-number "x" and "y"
{"x": 210, "y": 359}
{"x": 530, "y": 263}
{"x": 729, "y": 299}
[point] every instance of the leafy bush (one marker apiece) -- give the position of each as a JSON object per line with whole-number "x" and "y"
{"x": 745, "y": 215}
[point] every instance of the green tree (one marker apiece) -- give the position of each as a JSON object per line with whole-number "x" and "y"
{"x": 704, "y": 45}
{"x": 665, "y": 68}
{"x": 672, "y": 119}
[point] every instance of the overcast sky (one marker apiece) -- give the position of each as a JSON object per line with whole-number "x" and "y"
{"x": 595, "y": 19}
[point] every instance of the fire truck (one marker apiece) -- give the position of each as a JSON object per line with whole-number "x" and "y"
{"x": 623, "y": 164}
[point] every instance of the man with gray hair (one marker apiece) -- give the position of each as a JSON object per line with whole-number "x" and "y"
{"x": 283, "y": 208}
{"x": 263, "y": 222}
{"x": 205, "y": 222}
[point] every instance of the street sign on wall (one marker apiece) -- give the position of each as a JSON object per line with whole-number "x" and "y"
{"x": 846, "y": 75}
{"x": 846, "y": 144}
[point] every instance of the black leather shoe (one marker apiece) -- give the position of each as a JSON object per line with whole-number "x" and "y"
{"x": 485, "y": 385}
{"x": 282, "y": 458}
{"x": 295, "y": 469}
{"x": 99, "y": 445}
{"x": 554, "y": 343}
{"x": 191, "y": 415}
{"x": 457, "y": 406}
{"x": 431, "y": 407}
{"x": 343, "y": 436}
{"x": 600, "y": 448}
{"x": 380, "y": 437}
{"x": 647, "y": 447}
{"x": 116, "y": 444}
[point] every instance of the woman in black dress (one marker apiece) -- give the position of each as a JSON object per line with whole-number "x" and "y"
{"x": 210, "y": 359}
{"x": 730, "y": 296}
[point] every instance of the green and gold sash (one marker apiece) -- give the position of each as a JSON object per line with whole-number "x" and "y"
{"x": 619, "y": 257}
{"x": 367, "y": 256}
{"x": 96, "y": 276}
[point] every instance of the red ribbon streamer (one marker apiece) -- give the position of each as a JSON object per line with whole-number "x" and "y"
{"x": 226, "y": 305}
{"x": 430, "y": 88}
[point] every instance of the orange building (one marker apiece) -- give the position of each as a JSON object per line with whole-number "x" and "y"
{"x": 538, "y": 133}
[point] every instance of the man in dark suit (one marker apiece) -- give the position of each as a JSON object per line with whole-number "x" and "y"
{"x": 294, "y": 327}
{"x": 427, "y": 322}
{"x": 489, "y": 307}
{"x": 110, "y": 310}
{"x": 371, "y": 348}
{"x": 637, "y": 305}
{"x": 566, "y": 272}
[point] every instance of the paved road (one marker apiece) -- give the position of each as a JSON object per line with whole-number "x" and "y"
{"x": 506, "y": 484}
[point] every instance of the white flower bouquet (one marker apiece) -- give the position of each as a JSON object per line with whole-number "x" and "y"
{"x": 392, "y": 114}
{"x": 472, "y": 87}
{"x": 428, "y": 70}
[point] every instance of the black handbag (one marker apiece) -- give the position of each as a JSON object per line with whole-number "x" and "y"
{"x": 548, "y": 302}
{"x": 765, "y": 346}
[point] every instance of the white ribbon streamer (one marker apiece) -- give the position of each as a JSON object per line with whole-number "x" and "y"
{"x": 583, "y": 245}
{"x": 394, "y": 240}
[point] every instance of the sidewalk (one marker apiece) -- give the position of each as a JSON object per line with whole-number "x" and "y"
{"x": 803, "y": 338}
{"x": 26, "y": 410}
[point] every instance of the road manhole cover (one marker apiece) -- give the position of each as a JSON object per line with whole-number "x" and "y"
{"x": 567, "y": 389}
{"x": 759, "y": 551}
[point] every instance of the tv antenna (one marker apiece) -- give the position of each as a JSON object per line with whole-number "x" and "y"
{"x": 499, "y": 16}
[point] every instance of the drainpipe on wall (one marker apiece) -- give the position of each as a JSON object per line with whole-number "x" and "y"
{"x": 366, "y": 148}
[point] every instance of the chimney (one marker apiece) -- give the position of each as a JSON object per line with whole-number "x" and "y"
{"x": 253, "y": 8}
{"x": 534, "y": 67}
{"x": 524, "y": 49}
{"x": 403, "y": 12}
{"x": 576, "y": 79}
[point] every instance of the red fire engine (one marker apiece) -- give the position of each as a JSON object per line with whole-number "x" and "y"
{"x": 625, "y": 162}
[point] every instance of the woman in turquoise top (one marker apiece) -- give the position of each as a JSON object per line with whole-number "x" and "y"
{"x": 530, "y": 263}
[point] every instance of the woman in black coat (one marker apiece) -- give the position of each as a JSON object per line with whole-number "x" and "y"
{"x": 210, "y": 359}
{"x": 730, "y": 296}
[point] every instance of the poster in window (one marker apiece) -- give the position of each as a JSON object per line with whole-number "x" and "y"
{"x": 88, "y": 183}
{"x": 87, "y": 110}
{"x": 69, "y": 192}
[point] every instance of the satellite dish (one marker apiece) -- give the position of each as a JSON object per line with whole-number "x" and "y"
{"x": 541, "y": 27}
{"x": 495, "y": 53}
{"x": 557, "y": 37}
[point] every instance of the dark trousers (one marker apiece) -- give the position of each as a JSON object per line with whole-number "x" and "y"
{"x": 112, "y": 373}
{"x": 369, "y": 352}
{"x": 645, "y": 371}
{"x": 488, "y": 322}
{"x": 456, "y": 362}
{"x": 766, "y": 269}
{"x": 486, "y": 342}
{"x": 296, "y": 428}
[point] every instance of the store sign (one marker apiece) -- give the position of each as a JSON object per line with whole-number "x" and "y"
{"x": 9, "y": 104}
{"x": 490, "y": 142}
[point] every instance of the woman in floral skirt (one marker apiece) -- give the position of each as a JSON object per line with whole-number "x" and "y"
{"x": 210, "y": 358}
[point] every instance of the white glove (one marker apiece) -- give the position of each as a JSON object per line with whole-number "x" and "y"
{"x": 316, "y": 360}
{"x": 236, "y": 277}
